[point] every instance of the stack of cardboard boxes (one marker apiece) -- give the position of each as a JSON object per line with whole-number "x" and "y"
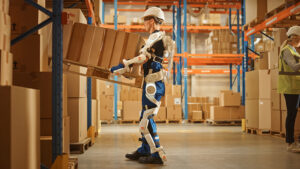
{"x": 173, "y": 102}
{"x": 222, "y": 42}
{"x": 106, "y": 101}
{"x": 20, "y": 108}
{"x": 210, "y": 19}
{"x": 258, "y": 99}
{"x": 131, "y": 98}
{"x": 229, "y": 109}
{"x": 198, "y": 108}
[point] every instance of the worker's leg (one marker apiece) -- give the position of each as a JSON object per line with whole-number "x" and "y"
{"x": 292, "y": 104}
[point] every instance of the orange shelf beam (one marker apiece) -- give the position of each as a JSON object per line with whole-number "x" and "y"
{"x": 166, "y": 27}
{"x": 274, "y": 19}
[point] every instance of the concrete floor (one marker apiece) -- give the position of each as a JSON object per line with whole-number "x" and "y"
{"x": 191, "y": 146}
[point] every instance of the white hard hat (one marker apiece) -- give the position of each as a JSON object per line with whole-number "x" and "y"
{"x": 155, "y": 11}
{"x": 294, "y": 30}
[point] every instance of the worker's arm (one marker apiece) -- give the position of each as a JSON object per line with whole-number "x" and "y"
{"x": 289, "y": 58}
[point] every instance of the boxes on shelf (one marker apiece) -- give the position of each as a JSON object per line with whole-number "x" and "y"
{"x": 197, "y": 115}
{"x": 6, "y": 68}
{"x": 230, "y": 98}
{"x": 25, "y": 58}
{"x": 20, "y": 132}
{"x": 131, "y": 110}
{"x": 77, "y": 108}
{"x": 109, "y": 19}
{"x": 262, "y": 62}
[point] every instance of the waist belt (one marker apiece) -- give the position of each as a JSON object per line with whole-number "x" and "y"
{"x": 154, "y": 77}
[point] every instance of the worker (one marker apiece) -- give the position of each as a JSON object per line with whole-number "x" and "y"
{"x": 289, "y": 83}
{"x": 157, "y": 47}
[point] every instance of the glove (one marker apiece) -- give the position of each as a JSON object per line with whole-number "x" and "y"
{"x": 115, "y": 68}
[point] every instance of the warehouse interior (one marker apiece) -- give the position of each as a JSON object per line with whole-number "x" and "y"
{"x": 65, "y": 108}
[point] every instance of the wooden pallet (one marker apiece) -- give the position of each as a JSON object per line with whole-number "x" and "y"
{"x": 80, "y": 147}
{"x": 107, "y": 121}
{"x": 196, "y": 121}
{"x": 73, "y": 163}
{"x": 104, "y": 74}
{"x": 258, "y": 131}
{"x": 129, "y": 121}
{"x": 224, "y": 122}
{"x": 277, "y": 134}
{"x": 173, "y": 121}
{"x": 160, "y": 121}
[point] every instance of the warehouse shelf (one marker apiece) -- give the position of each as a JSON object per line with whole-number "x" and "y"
{"x": 210, "y": 71}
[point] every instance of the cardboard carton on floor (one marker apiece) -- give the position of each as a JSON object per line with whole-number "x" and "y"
{"x": 131, "y": 110}
{"x": 197, "y": 115}
{"x": 20, "y": 132}
{"x": 258, "y": 113}
{"x": 174, "y": 112}
{"x": 77, "y": 108}
{"x": 6, "y": 68}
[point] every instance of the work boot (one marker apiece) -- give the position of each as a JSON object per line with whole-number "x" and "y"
{"x": 293, "y": 147}
{"x": 150, "y": 160}
{"x": 135, "y": 155}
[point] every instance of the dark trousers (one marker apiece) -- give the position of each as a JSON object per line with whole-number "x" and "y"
{"x": 292, "y": 104}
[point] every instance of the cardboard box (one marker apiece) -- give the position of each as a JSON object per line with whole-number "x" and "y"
{"x": 119, "y": 48}
{"x": 262, "y": 9}
{"x": 132, "y": 48}
{"x": 258, "y": 84}
{"x": 25, "y": 58}
{"x": 280, "y": 36}
{"x": 219, "y": 113}
{"x": 6, "y": 68}
{"x": 258, "y": 113}
{"x": 78, "y": 119}
{"x": 24, "y": 16}
{"x": 273, "y": 57}
{"x": 94, "y": 112}
{"x": 276, "y": 120}
{"x": 161, "y": 115}
{"x": 5, "y": 31}
{"x": 168, "y": 89}
{"x": 108, "y": 46}
{"x": 216, "y": 101}
{"x": 43, "y": 82}
{"x": 194, "y": 107}
{"x": 262, "y": 62}
{"x": 206, "y": 107}
{"x": 77, "y": 42}
{"x": 174, "y": 112}
{"x": 131, "y": 110}
{"x": 274, "y": 78}
{"x": 229, "y": 98}
{"x": 176, "y": 90}
{"x": 109, "y": 19}
{"x": 172, "y": 100}
{"x": 20, "y": 130}
{"x": 87, "y": 45}
{"x": 4, "y": 6}
{"x": 275, "y": 100}
{"x": 97, "y": 46}
{"x": 197, "y": 115}
{"x": 67, "y": 34}
{"x": 106, "y": 107}
{"x": 77, "y": 86}
{"x": 76, "y": 15}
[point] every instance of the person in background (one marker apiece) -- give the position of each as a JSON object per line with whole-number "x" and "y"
{"x": 289, "y": 83}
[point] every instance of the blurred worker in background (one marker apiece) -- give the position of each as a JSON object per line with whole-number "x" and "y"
{"x": 289, "y": 83}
